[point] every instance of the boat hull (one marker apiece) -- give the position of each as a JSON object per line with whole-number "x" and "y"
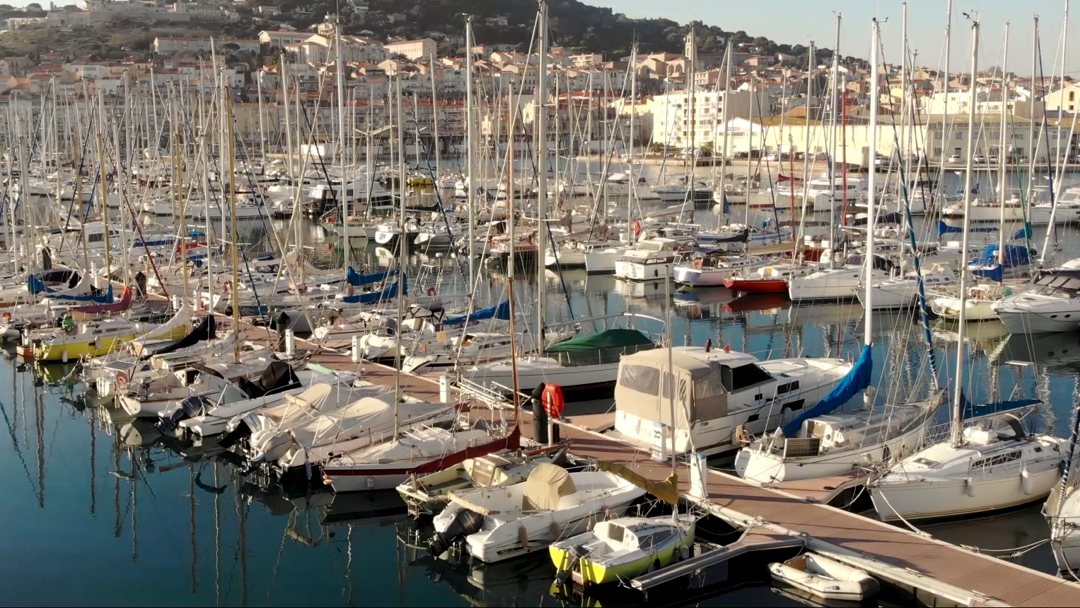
{"x": 944, "y": 500}
{"x": 757, "y": 285}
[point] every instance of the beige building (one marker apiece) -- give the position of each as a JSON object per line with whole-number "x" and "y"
{"x": 413, "y": 49}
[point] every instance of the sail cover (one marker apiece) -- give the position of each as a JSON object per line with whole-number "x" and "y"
{"x": 989, "y": 268}
{"x": 502, "y": 311}
{"x": 852, "y": 384}
{"x": 377, "y": 296}
{"x": 205, "y": 331}
{"x": 105, "y": 298}
{"x": 973, "y": 411}
{"x": 360, "y": 280}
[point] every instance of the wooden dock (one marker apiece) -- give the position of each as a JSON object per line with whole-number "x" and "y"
{"x": 916, "y": 562}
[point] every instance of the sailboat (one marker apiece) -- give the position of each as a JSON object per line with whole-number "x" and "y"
{"x": 980, "y": 468}
{"x": 819, "y": 443}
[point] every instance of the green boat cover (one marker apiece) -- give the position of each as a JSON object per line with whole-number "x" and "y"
{"x": 612, "y": 338}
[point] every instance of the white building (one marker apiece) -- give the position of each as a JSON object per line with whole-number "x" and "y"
{"x": 1065, "y": 99}
{"x": 413, "y": 49}
{"x": 672, "y": 123}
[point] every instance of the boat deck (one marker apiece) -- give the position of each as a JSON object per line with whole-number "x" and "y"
{"x": 895, "y": 553}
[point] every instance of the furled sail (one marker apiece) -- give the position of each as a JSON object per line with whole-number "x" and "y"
{"x": 856, "y": 381}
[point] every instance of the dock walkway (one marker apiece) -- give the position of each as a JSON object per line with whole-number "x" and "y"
{"x": 902, "y": 556}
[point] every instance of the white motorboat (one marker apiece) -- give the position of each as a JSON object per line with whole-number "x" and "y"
{"x": 301, "y": 433}
{"x": 420, "y": 450}
{"x": 503, "y": 523}
{"x": 730, "y": 389}
{"x": 713, "y": 270}
{"x": 1051, "y": 305}
{"x": 650, "y": 260}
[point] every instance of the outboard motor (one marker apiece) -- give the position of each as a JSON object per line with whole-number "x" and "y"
{"x": 466, "y": 522}
{"x": 235, "y": 436}
{"x": 189, "y": 408}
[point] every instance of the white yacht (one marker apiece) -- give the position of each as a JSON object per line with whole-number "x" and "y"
{"x": 650, "y": 260}
{"x": 729, "y": 389}
{"x": 1051, "y": 305}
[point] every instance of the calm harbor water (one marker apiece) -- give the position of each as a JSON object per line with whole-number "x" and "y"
{"x": 104, "y": 513}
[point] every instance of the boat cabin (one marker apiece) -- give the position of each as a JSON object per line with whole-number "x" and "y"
{"x": 716, "y": 392}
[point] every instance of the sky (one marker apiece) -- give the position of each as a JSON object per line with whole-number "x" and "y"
{"x": 800, "y": 21}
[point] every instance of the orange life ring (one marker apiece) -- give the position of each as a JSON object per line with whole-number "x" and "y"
{"x": 552, "y": 400}
{"x": 7, "y": 317}
{"x": 121, "y": 379}
{"x": 430, "y": 291}
{"x": 637, "y": 228}
{"x": 698, "y": 264}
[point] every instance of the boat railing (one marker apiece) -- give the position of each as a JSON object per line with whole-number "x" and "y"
{"x": 494, "y": 396}
{"x": 599, "y": 356}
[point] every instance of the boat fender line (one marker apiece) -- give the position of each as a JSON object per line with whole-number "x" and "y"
{"x": 465, "y": 522}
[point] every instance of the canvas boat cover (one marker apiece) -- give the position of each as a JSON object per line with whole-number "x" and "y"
{"x": 547, "y": 483}
{"x": 277, "y": 377}
{"x": 611, "y": 338}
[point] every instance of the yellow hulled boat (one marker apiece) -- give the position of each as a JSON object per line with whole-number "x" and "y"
{"x": 623, "y": 548}
{"x": 103, "y": 337}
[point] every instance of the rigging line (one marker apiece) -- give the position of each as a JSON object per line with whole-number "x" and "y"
{"x": 920, "y": 283}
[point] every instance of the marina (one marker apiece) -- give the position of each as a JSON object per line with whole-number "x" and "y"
{"x": 546, "y": 359}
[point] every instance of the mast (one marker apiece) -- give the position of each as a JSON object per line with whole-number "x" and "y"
{"x": 956, "y": 434}
{"x": 904, "y": 149}
{"x": 235, "y": 249}
{"x": 178, "y": 180}
{"x": 1002, "y": 156}
{"x": 871, "y": 198}
{"x": 724, "y": 142}
{"x": 811, "y": 64}
{"x": 470, "y": 150}
{"x": 435, "y": 123}
{"x": 403, "y": 256}
{"x": 262, "y": 127}
{"x": 1032, "y": 146}
{"x": 339, "y": 59}
{"x": 104, "y": 187}
{"x": 832, "y": 135}
{"x": 630, "y": 156}
{"x": 945, "y": 80}
{"x": 541, "y": 176}
{"x": 288, "y": 128}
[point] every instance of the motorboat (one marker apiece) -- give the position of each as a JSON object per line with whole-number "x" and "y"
{"x": 1051, "y": 305}
{"x": 416, "y": 451}
{"x": 429, "y": 494}
{"x": 712, "y": 269}
{"x": 650, "y": 260}
{"x": 732, "y": 393}
{"x": 623, "y": 548}
{"x": 496, "y": 524}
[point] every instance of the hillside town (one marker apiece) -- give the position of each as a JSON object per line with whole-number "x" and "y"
{"x": 779, "y": 102}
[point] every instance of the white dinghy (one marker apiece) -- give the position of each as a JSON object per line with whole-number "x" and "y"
{"x": 825, "y": 578}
